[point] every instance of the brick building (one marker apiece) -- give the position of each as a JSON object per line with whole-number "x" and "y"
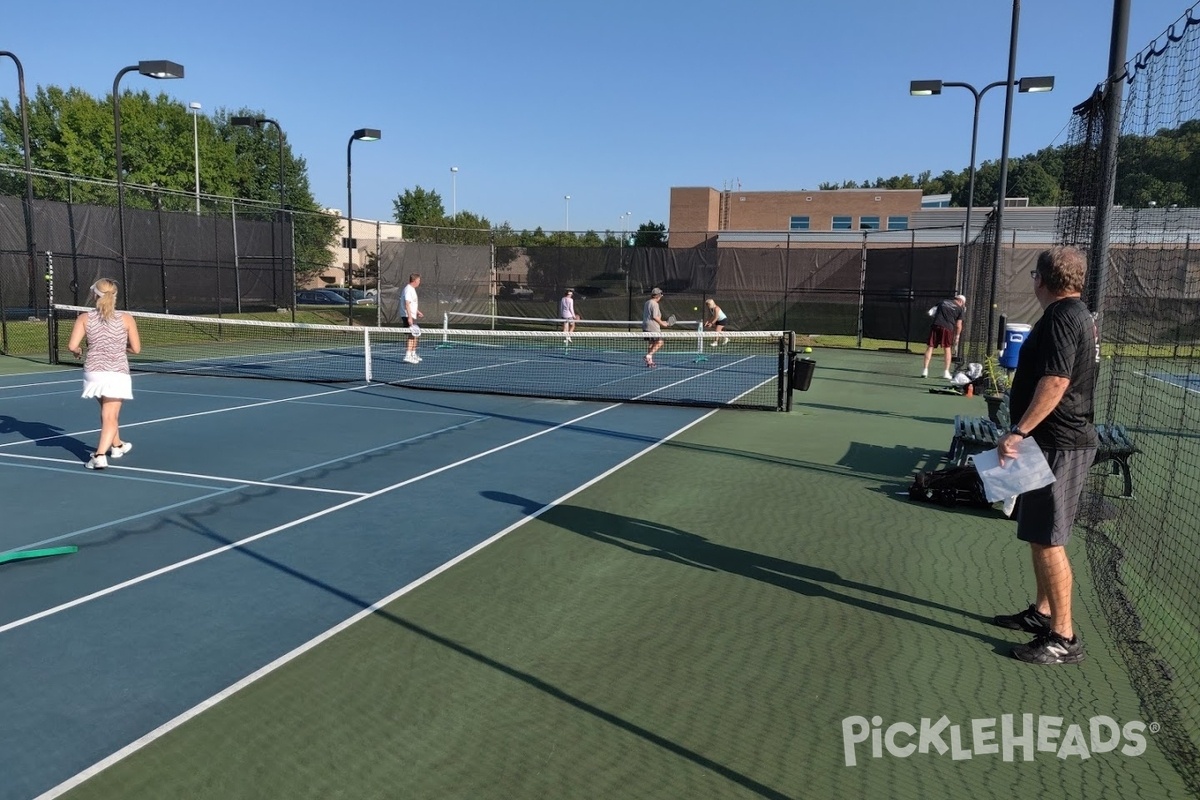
{"x": 698, "y": 215}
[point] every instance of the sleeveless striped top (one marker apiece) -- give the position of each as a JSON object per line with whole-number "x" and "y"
{"x": 106, "y": 344}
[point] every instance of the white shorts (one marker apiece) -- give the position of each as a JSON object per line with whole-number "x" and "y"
{"x": 116, "y": 385}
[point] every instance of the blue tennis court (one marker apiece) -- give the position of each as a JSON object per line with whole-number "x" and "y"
{"x": 1187, "y": 381}
{"x": 250, "y": 519}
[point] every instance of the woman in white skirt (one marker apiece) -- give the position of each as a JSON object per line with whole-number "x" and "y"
{"x": 108, "y": 333}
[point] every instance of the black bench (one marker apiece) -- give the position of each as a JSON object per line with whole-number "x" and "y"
{"x": 975, "y": 434}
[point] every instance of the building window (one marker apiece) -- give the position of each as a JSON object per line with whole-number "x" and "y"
{"x": 868, "y": 223}
{"x": 843, "y": 223}
{"x": 897, "y": 223}
{"x": 798, "y": 224}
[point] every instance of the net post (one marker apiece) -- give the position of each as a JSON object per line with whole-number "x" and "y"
{"x": 699, "y": 343}
{"x": 367, "y": 354}
{"x": 783, "y": 395}
{"x": 51, "y": 316}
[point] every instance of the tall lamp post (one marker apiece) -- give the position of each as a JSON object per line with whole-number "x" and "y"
{"x": 1043, "y": 83}
{"x": 360, "y": 135}
{"x": 454, "y": 192}
{"x": 29, "y": 243}
{"x": 255, "y": 122}
{"x": 151, "y": 69}
{"x": 621, "y": 261}
{"x": 195, "y": 107}
{"x": 567, "y": 199}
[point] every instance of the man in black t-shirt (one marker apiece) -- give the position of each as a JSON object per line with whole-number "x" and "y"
{"x": 945, "y": 331}
{"x": 1052, "y": 401}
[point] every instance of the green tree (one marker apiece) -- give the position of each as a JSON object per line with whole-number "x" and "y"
{"x": 421, "y": 212}
{"x": 71, "y": 133}
{"x": 650, "y": 234}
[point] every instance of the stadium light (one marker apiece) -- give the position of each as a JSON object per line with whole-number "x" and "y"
{"x": 1043, "y": 83}
{"x": 255, "y": 122}
{"x": 454, "y": 192}
{"x": 151, "y": 69}
{"x": 28, "y": 189}
{"x": 195, "y": 107}
{"x": 360, "y": 135}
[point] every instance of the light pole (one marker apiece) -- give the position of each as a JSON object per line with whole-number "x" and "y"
{"x": 151, "y": 69}
{"x": 28, "y": 191}
{"x": 621, "y": 261}
{"x": 195, "y": 107}
{"x": 255, "y": 122}
{"x": 360, "y": 135}
{"x": 454, "y": 192}
{"x": 1041, "y": 83}
{"x": 567, "y": 198}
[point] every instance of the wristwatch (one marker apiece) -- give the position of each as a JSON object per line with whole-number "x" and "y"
{"x": 1015, "y": 429}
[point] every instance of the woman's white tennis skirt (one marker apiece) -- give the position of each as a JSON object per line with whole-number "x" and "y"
{"x": 116, "y": 385}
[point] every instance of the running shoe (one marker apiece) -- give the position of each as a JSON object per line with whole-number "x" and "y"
{"x": 119, "y": 450}
{"x": 1030, "y": 620}
{"x": 97, "y": 461}
{"x": 1050, "y": 648}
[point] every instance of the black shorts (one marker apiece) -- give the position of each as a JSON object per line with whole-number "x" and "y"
{"x": 1046, "y": 515}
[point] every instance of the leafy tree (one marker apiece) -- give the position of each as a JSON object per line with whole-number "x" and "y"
{"x": 71, "y": 133}
{"x": 421, "y": 213}
{"x": 650, "y": 234}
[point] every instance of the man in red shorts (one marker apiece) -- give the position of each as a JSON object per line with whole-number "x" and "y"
{"x": 945, "y": 331}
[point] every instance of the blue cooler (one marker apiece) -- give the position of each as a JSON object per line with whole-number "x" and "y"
{"x": 1014, "y": 337}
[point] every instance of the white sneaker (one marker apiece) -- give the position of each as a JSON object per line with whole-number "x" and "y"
{"x": 410, "y": 359}
{"x": 947, "y": 375}
{"x": 97, "y": 462}
{"x": 724, "y": 341}
{"x": 713, "y": 343}
{"x": 924, "y": 373}
{"x": 568, "y": 340}
{"x": 117, "y": 452}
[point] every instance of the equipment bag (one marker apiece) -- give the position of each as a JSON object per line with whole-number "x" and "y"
{"x": 954, "y": 486}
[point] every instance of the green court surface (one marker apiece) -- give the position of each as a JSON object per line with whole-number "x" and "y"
{"x": 705, "y": 622}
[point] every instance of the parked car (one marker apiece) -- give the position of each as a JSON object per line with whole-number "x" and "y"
{"x": 521, "y": 291}
{"x": 319, "y": 297}
{"x": 359, "y": 296}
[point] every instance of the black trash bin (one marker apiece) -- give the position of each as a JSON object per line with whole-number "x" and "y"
{"x": 802, "y": 373}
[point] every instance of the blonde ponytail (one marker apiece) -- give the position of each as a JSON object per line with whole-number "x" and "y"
{"x": 105, "y": 293}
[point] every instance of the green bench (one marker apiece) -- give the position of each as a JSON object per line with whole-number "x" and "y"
{"x": 975, "y": 434}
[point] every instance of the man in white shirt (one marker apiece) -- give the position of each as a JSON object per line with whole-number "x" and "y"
{"x": 409, "y": 314}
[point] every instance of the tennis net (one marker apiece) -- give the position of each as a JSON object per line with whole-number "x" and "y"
{"x": 738, "y": 369}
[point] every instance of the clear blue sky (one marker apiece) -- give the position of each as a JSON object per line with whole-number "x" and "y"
{"x": 611, "y": 103}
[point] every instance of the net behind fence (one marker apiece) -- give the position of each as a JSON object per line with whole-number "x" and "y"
{"x": 1144, "y": 551}
{"x": 744, "y": 370}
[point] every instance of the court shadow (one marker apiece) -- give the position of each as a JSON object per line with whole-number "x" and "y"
{"x": 690, "y": 549}
{"x": 896, "y": 460}
{"x": 755, "y": 787}
{"x": 44, "y": 435}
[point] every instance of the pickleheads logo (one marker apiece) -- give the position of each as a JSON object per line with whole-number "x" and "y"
{"x": 982, "y": 737}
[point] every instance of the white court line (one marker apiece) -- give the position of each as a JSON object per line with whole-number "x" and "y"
{"x": 233, "y": 689}
{"x": 239, "y": 486}
{"x": 17, "y": 623}
{"x": 192, "y": 415}
{"x": 214, "y": 478}
{"x": 1187, "y": 388}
